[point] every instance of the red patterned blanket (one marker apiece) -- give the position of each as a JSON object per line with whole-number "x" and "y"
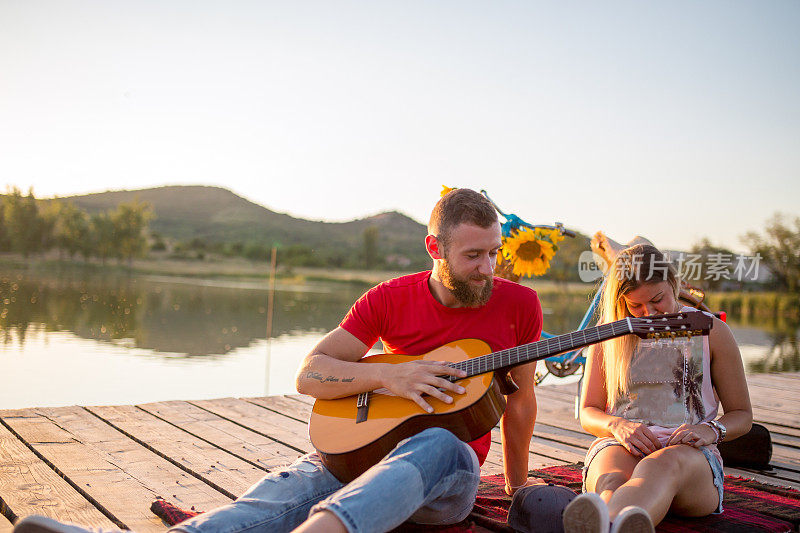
{"x": 749, "y": 506}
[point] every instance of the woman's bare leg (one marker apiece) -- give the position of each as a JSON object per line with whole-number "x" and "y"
{"x": 610, "y": 469}
{"x": 676, "y": 477}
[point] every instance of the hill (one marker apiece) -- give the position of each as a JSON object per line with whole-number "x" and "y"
{"x": 215, "y": 216}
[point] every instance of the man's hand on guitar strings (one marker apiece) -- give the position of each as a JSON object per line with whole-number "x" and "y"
{"x": 415, "y": 379}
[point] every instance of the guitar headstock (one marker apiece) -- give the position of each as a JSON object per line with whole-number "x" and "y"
{"x": 673, "y": 325}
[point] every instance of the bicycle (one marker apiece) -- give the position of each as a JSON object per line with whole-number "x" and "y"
{"x": 568, "y": 363}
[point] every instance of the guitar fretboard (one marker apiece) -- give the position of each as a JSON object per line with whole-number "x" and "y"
{"x": 541, "y": 349}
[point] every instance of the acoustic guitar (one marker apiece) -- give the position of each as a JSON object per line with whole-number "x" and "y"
{"x": 355, "y": 432}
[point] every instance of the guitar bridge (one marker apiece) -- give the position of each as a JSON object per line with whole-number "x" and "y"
{"x": 362, "y": 406}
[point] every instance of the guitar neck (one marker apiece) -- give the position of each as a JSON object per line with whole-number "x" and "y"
{"x": 543, "y": 348}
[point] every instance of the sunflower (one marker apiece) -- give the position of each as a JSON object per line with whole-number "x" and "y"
{"x": 554, "y": 235}
{"x": 446, "y": 189}
{"x": 529, "y": 252}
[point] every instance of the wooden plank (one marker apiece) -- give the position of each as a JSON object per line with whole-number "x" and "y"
{"x": 786, "y": 455}
{"x": 780, "y": 430}
{"x": 302, "y": 398}
{"x": 786, "y": 440}
{"x": 774, "y": 381}
{"x": 488, "y": 469}
{"x": 555, "y": 394}
{"x": 568, "y": 387}
{"x": 225, "y": 472}
{"x": 120, "y": 474}
{"x": 270, "y": 424}
{"x": 567, "y": 393}
{"x": 557, "y": 417}
{"x": 774, "y": 417}
{"x": 565, "y": 406}
{"x": 780, "y": 406}
{"x": 563, "y": 453}
{"x": 29, "y": 486}
{"x": 576, "y": 438}
{"x": 767, "y": 391}
{"x": 241, "y": 442}
{"x": 536, "y": 461}
{"x": 285, "y": 406}
{"x": 771, "y": 376}
{"x": 790, "y": 378}
{"x": 494, "y": 457}
{"x": 494, "y": 461}
{"x": 771, "y": 401}
{"x": 776, "y": 405}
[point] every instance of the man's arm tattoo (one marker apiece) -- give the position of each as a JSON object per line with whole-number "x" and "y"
{"x": 318, "y": 377}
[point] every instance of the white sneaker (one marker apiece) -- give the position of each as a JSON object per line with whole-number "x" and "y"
{"x": 632, "y": 519}
{"x": 587, "y": 513}
{"x": 42, "y": 524}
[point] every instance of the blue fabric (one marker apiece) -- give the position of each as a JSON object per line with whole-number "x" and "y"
{"x": 512, "y": 223}
{"x": 716, "y": 471}
{"x": 430, "y": 478}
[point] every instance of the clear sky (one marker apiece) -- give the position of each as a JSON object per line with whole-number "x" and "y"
{"x": 672, "y": 119}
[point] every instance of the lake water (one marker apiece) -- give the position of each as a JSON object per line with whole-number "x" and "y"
{"x": 104, "y": 339}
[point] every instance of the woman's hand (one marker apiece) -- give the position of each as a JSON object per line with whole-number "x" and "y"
{"x": 696, "y": 435}
{"x": 635, "y": 437}
{"x": 414, "y": 379}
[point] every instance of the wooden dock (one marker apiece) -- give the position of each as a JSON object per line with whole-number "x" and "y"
{"x": 103, "y": 466}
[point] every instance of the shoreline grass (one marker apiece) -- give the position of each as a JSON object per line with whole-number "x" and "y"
{"x": 215, "y": 268}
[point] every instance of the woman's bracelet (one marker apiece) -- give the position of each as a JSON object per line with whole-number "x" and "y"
{"x": 717, "y": 431}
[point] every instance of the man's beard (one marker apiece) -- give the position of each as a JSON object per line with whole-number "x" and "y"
{"x": 463, "y": 291}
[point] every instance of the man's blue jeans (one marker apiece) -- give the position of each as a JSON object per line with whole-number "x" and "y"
{"x": 430, "y": 478}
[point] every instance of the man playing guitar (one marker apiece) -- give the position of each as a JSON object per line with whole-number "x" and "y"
{"x": 431, "y": 477}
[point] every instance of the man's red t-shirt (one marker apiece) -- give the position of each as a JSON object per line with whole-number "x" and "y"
{"x": 408, "y": 320}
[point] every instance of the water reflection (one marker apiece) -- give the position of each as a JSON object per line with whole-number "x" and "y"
{"x": 775, "y": 344}
{"x": 194, "y": 319}
{"x": 176, "y": 318}
{"x": 563, "y": 311}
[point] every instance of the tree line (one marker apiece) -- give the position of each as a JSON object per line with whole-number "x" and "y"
{"x": 29, "y": 226}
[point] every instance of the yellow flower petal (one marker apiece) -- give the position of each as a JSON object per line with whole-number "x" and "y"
{"x": 529, "y": 252}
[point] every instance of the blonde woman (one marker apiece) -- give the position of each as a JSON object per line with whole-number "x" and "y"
{"x": 653, "y": 406}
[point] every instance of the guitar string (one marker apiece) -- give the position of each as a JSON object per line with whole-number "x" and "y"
{"x": 562, "y": 343}
{"x": 554, "y": 345}
{"x": 516, "y": 355}
{"x": 510, "y": 356}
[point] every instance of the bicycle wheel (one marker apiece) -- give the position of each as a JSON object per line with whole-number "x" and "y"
{"x": 562, "y": 369}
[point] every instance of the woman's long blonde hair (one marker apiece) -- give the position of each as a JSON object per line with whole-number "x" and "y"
{"x": 633, "y": 267}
